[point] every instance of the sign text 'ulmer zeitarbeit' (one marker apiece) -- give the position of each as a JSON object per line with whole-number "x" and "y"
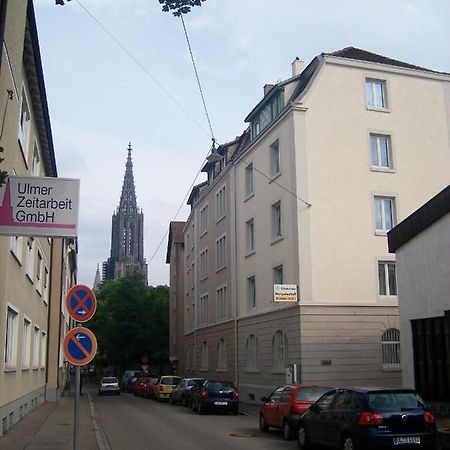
{"x": 39, "y": 206}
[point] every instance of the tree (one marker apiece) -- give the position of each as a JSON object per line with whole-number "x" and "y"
{"x": 179, "y": 7}
{"x": 131, "y": 322}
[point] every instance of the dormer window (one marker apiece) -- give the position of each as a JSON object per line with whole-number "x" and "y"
{"x": 266, "y": 114}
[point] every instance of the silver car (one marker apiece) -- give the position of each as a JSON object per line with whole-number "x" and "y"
{"x": 109, "y": 385}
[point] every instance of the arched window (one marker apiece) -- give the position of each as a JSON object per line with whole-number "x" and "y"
{"x": 222, "y": 354}
{"x": 279, "y": 350}
{"x": 205, "y": 357}
{"x": 390, "y": 345}
{"x": 252, "y": 353}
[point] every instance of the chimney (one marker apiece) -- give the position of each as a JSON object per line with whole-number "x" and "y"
{"x": 267, "y": 88}
{"x": 297, "y": 66}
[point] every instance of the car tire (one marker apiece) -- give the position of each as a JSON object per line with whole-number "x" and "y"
{"x": 302, "y": 438}
{"x": 201, "y": 409}
{"x": 262, "y": 423}
{"x": 287, "y": 432}
{"x": 185, "y": 403}
{"x": 348, "y": 443}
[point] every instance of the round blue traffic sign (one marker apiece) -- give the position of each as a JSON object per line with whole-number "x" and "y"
{"x": 81, "y": 303}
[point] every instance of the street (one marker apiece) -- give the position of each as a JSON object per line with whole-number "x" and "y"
{"x": 134, "y": 423}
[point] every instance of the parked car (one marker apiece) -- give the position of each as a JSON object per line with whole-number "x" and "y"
{"x": 128, "y": 379}
{"x": 216, "y": 396}
{"x": 378, "y": 418}
{"x": 165, "y": 386}
{"x": 140, "y": 385}
{"x": 282, "y": 408}
{"x": 109, "y": 385}
{"x": 182, "y": 391}
{"x": 149, "y": 389}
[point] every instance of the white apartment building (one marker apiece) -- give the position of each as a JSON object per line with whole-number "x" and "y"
{"x": 333, "y": 158}
{"x": 33, "y": 271}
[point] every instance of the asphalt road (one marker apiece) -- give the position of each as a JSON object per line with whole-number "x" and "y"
{"x": 134, "y": 423}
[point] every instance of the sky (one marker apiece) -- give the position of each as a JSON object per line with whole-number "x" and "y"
{"x": 119, "y": 71}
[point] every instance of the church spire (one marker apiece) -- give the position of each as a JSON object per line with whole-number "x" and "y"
{"x": 128, "y": 202}
{"x": 97, "y": 279}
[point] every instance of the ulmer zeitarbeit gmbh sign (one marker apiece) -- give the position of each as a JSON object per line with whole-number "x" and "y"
{"x": 284, "y": 292}
{"x": 39, "y": 206}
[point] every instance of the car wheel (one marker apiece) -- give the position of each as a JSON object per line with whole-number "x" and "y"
{"x": 201, "y": 409}
{"x": 302, "y": 439}
{"x": 262, "y": 424}
{"x": 287, "y": 433}
{"x": 185, "y": 403}
{"x": 347, "y": 443}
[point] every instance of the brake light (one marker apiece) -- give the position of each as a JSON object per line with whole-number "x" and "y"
{"x": 235, "y": 394}
{"x": 204, "y": 394}
{"x": 370, "y": 418}
{"x": 428, "y": 417}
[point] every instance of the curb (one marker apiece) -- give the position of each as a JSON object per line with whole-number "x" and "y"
{"x": 100, "y": 436}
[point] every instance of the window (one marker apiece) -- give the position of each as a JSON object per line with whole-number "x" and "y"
{"x": 250, "y": 235}
{"x": 193, "y": 275}
{"x": 45, "y": 284}
{"x": 26, "y": 343}
{"x": 15, "y": 245}
{"x": 267, "y": 114}
{"x": 279, "y": 350}
{"x": 193, "y": 236}
{"x": 278, "y": 275}
{"x": 390, "y": 344}
{"x": 24, "y": 125}
{"x": 36, "y": 164}
{"x": 384, "y": 213}
{"x": 220, "y": 204}
{"x": 43, "y": 349}
{"x": 252, "y": 353}
{"x": 251, "y": 292}
{"x": 204, "y": 264}
{"x": 222, "y": 355}
{"x": 387, "y": 278}
{"x": 204, "y": 220}
{"x": 222, "y": 302}
{"x": 275, "y": 158}
{"x": 29, "y": 257}
{"x": 380, "y": 151}
{"x": 221, "y": 253}
{"x": 11, "y": 339}
{"x": 187, "y": 244}
{"x": 36, "y": 347}
{"x": 276, "y": 220}
{"x": 376, "y": 93}
{"x": 188, "y": 358}
{"x": 249, "y": 188}
{"x": 203, "y": 310}
{"x": 39, "y": 271}
{"x": 204, "y": 356}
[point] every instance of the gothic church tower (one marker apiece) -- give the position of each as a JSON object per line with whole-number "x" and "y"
{"x": 127, "y": 233}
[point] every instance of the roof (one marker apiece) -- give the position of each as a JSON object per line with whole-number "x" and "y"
{"x": 419, "y": 220}
{"x": 194, "y": 192}
{"x": 176, "y": 236}
{"x": 364, "y": 55}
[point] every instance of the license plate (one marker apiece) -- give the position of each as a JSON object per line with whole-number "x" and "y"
{"x": 404, "y": 440}
{"x": 221, "y": 403}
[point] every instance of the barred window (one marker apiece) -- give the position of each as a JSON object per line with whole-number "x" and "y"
{"x": 390, "y": 344}
{"x": 279, "y": 350}
{"x": 252, "y": 352}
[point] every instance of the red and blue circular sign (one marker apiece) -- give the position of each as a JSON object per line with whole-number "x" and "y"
{"x": 80, "y": 346}
{"x": 81, "y": 303}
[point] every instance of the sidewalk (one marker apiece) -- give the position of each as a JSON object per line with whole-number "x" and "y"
{"x": 50, "y": 427}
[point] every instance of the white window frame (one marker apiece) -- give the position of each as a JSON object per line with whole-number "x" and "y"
{"x": 277, "y": 270}
{"x": 390, "y": 346}
{"x": 220, "y": 204}
{"x": 250, "y": 236}
{"x": 24, "y": 125}
{"x": 377, "y": 152}
{"x": 16, "y": 247}
{"x": 26, "y": 343}
{"x": 251, "y": 292}
{"x": 204, "y": 361}
{"x": 221, "y": 252}
{"x": 222, "y": 303}
{"x": 36, "y": 346}
{"x": 204, "y": 220}
{"x": 249, "y": 180}
{"x": 204, "y": 264}
{"x": 385, "y": 286}
{"x": 372, "y": 98}
{"x": 275, "y": 158}
{"x": 222, "y": 354}
{"x": 251, "y": 350}
{"x": 277, "y": 221}
{"x": 385, "y": 210}
{"x": 11, "y": 336}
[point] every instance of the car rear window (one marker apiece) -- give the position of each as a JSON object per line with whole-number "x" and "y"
{"x": 109, "y": 380}
{"x": 311, "y": 394}
{"x": 216, "y": 386}
{"x": 394, "y": 401}
{"x": 170, "y": 380}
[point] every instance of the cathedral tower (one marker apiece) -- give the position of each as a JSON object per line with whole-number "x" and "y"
{"x": 127, "y": 232}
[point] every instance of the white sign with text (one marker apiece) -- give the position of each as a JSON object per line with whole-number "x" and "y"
{"x": 284, "y": 292}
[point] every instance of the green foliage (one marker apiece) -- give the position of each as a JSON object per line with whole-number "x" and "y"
{"x": 131, "y": 322}
{"x": 179, "y": 7}
{"x": 3, "y": 176}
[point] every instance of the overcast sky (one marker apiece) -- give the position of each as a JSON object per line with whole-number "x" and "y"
{"x": 100, "y": 98}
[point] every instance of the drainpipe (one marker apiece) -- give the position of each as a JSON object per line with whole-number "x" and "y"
{"x": 234, "y": 276}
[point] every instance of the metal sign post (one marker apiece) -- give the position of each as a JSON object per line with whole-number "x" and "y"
{"x": 76, "y": 411}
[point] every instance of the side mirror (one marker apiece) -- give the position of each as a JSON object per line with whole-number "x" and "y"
{"x": 264, "y": 399}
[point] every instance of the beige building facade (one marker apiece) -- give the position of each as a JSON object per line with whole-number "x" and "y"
{"x": 333, "y": 158}
{"x": 33, "y": 270}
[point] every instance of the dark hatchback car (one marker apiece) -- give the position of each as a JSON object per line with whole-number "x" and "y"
{"x": 216, "y": 396}
{"x": 183, "y": 390}
{"x": 371, "y": 418}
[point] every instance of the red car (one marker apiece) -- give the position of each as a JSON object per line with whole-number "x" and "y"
{"x": 149, "y": 390}
{"x": 286, "y": 404}
{"x": 140, "y": 385}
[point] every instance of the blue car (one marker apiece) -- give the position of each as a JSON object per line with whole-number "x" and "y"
{"x": 368, "y": 418}
{"x": 216, "y": 396}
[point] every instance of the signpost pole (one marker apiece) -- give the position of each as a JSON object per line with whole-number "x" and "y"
{"x": 76, "y": 412}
